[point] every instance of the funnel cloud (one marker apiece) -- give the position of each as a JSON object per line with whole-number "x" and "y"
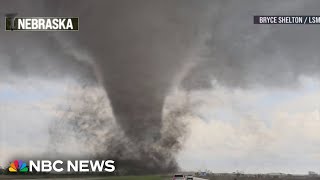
{"x": 134, "y": 50}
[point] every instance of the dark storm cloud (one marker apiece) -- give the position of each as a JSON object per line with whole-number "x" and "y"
{"x": 242, "y": 54}
{"x": 35, "y": 54}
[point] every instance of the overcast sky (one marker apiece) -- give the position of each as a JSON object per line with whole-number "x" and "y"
{"x": 256, "y": 130}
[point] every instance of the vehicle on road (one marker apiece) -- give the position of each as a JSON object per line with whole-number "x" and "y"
{"x": 178, "y": 177}
{"x": 189, "y": 177}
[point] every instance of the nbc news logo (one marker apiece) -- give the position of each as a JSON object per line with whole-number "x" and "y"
{"x": 19, "y": 166}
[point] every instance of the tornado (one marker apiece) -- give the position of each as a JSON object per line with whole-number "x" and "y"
{"x": 134, "y": 48}
{"x": 137, "y": 47}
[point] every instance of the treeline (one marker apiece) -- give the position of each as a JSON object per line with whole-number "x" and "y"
{"x": 260, "y": 177}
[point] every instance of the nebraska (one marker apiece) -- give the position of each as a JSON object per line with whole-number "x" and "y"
{"x": 45, "y": 24}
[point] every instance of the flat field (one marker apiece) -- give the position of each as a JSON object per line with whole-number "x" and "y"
{"x": 86, "y": 177}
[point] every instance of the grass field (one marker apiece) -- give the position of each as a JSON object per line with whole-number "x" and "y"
{"x": 87, "y": 177}
{"x": 138, "y": 178}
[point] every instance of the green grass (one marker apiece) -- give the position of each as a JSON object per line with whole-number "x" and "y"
{"x": 137, "y": 178}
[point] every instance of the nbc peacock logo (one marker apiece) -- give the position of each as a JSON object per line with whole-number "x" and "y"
{"x": 18, "y": 166}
